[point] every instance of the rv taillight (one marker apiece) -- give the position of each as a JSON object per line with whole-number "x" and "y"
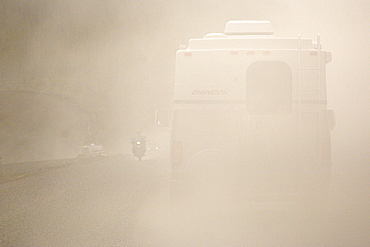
{"x": 177, "y": 153}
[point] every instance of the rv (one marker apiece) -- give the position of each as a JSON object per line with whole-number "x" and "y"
{"x": 250, "y": 117}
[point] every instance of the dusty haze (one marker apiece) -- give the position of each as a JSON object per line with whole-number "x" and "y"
{"x": 116, "y": 61}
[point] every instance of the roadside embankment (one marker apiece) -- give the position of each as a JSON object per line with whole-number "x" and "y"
{"x": 37, "y": 126}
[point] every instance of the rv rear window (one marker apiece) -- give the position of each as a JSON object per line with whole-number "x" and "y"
{"x": 269, "y": 87}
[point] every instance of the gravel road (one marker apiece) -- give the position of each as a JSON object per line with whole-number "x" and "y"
{"x": 86, "y": 204}
{"x": 118, "y": 201}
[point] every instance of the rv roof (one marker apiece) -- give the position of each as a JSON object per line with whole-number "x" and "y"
{"x": 219, "y": 43}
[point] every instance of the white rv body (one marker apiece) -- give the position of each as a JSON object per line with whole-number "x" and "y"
{"x": 250, "y": 109}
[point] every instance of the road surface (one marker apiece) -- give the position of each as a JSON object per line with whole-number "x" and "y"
{"x": 118, "y": 201}
{"x": 89, "y": 204}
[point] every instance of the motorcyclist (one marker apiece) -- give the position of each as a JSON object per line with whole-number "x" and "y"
{"x": 138, "y": 139}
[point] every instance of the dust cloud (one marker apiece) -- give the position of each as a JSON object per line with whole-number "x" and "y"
{"x": 116, "y": 61}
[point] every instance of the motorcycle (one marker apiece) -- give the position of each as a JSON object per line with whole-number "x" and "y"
{"x": 138, "y": 147}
